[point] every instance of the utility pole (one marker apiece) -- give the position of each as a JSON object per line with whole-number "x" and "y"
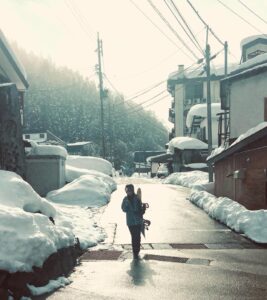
{"x": 225, "y": 59}
{"x": 101, "y": 93}
{"x": 207, "y": 54}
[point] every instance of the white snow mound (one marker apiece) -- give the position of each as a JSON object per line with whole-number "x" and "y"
{"x": 86, "y": 191}
{"x": 252, "y": 223}
{"x": 185, "y": 142}
{"x": 73, "y": 173}
{"x": 26, "y": 232}
{"x": 89, "y": 163}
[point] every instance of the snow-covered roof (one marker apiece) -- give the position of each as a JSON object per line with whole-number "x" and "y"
{"x": 252, "y": 38}
{"x": 257, "y": 60}
{"x": 217, "y": 71}
{"x": 10, "y": 66}
{"x": 185, "y": 142}
{"x": 78, "y": 144}
{"x": 222, "y": 152}
{"x": 47, "y": 150}
{"x": 201, "y": 111}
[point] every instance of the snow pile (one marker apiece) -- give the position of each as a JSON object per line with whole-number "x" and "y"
{"x": 185, "y": 142}
{"x": 89, "y": 163}
{"x": 252, "y": 223}
{"x": 196, "y": 166}
{"x": 197, "y": 180}
{"x": 85, "y": 191}
{"x": 81, "y": 222}
{"x": 50, "y": 287}
{"x": 216, "y": 151}
{"x": 200, "y": 110}
{"x": 46, "y": 150}
{"x": 25, "y": 229}
{"x": 73, "y": 173}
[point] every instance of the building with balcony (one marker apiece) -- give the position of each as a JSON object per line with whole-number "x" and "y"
{"x": 189, "y": 88}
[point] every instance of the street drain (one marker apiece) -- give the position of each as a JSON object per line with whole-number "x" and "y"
{"x": 101, "y": 255}
{"x": 189, "y": 246}
{"x": 166, "y": 258}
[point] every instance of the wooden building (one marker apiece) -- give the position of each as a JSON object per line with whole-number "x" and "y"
{"x": 241, "y": 169}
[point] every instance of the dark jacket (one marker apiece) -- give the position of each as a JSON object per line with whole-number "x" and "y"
{"x": 133, "y": 210}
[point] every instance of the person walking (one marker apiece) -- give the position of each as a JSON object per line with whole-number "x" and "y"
{"x": 132, "y": 206}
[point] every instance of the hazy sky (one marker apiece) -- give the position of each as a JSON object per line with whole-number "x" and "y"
{"x": 137, "y": 54}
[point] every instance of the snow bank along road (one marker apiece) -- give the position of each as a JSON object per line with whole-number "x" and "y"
{"x": 186, "y": 255}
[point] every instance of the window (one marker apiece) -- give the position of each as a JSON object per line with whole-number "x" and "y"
{"x": 27, "y": 136}
{"x": 194, "y": 90}
{"x": 42, "y": 135}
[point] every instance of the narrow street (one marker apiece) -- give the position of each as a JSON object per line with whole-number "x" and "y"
{"x": 185, "y": 255}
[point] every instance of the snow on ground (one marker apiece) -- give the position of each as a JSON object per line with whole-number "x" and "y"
{"x": 50, "y": 287}
{"x": 81, "y": 222}
{"x": 29, "y": 235}
{"x": 198, "y": 180}
{"x": 252, "y": 223}
{"x": 89, "y": 163}
{"x": 85, "y": 191}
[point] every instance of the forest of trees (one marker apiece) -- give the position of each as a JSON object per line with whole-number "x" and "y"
{"x": 63, "y": 102}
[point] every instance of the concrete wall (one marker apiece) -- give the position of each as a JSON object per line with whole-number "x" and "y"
{"x": 45, "y": 173}
{"x": 247, "y": 103}
{"x": 214, "y": 91}
{"x": 254, "y": 48}
{"x": 179, "y": 109}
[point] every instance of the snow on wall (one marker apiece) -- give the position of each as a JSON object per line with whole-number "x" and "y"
{"x": 185, "y": 142}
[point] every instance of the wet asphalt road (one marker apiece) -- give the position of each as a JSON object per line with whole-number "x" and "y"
{"x": 224, "y": 265}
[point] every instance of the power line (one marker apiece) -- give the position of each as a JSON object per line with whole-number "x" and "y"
{"x": 212, "y": 32}
{"x": 235, "y": 13}
{"x": 171, "y": 28}
{"x": 179, "y": 48}
{"x": 192, "y": 36}
{"x": 156, "y": 101}
{"x": 78, "y": 19}
{"x": 253, "y": 12}
{"x": 146, "y": 90}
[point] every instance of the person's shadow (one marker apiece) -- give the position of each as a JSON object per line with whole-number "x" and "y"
{"x": 140, "y": 271}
